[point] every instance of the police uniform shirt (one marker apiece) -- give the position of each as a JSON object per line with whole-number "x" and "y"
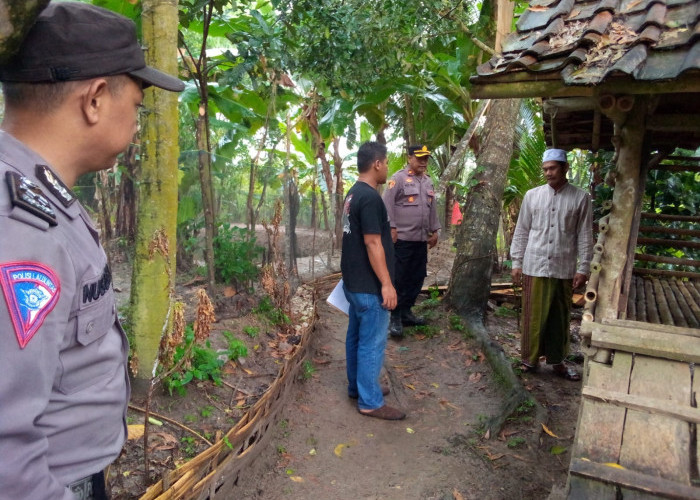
{"x": 64, "y": 389}
{"x": 411, "y": 204}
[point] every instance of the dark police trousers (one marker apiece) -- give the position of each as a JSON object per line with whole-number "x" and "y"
{"x": 90, "y": 488}
{"x": 410, "y": 269}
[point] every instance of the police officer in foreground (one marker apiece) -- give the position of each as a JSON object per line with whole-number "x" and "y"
{"x": 412, "y": 208}
{"x": 72, "y": 95}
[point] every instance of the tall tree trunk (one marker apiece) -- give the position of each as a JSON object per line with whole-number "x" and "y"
{"x": 338, "y": 171}
{"x": 476, "y": 237}
{"x": 154, "y": 261}
{"x": 204, "y": 164}
{"x": 126, "y": 215}
{"x": 16, "y": 18}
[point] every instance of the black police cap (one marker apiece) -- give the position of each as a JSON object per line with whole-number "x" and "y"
{"x": 78, "y": 41}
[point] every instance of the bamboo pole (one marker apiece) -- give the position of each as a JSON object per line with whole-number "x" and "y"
{"x": 632, "y": 302}
{"x": 692, "y": 304}
{"x": 683, "y": 304}
{"x": 669, "y": 217}
{"x": 666, "y": 260}
{"x": 591, "y": 294}
{"x": 652, "y": 311}
{"x": 674, "y": 304}
{"x": 664, "y": 312}
{"x": 669, "y": 230}
{"x": 641, "y": 302}
{"x": 665, "y": 272}
{"x": 668, "y": 243}
{"x": 693, "y": 288}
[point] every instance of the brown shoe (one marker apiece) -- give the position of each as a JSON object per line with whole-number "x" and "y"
{"x": 385, "y": 413}
{"x": 385, "y": 392}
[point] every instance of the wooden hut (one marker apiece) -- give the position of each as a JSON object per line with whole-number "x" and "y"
{"x": 623, "y": 75}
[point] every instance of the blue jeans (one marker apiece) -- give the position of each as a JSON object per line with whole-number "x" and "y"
{"x": 364, "y": 348}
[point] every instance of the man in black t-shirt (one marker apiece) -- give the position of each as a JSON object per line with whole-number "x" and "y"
{"x": 367, "y": 266}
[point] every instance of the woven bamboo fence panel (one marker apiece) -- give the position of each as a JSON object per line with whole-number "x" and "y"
{"x": 212, "y": 473}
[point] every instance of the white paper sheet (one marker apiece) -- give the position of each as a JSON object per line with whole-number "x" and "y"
{"x": 337, "y": 298}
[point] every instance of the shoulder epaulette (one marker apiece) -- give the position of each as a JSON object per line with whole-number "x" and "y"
{"x": 25, "y": 194}
{"x": 55, "y": 185}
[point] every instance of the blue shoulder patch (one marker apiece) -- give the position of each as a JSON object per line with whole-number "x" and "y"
{"x": 31, "y": 291}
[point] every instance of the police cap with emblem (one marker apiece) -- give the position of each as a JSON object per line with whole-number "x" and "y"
{"x": 78, "y": 41}
{"x": 419, "y": 151}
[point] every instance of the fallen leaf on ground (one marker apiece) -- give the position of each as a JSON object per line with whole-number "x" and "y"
{"x": 475, "y": 377}
{"x": 410, "y": 386}
{"x": 135, "y": 431}
{"x": 557, "y": 450}
{"x": 410, "y": 431}
{"x": 614, "y": 465}
{"x": 457, "y": 495}
{"x": 297, "y": 479}
{"x": 544, "y": 427}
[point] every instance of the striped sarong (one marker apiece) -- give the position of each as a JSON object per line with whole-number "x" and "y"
{"x": 546, "y": 317}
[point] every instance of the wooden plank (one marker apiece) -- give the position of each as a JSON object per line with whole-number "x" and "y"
{"x": 638, "y": 325}
{"x": 633, "y": 480}
{"x": 639, "y": 271}
{"x": 676, "y": 261}
{"x": 585, "y": 489}
{"x": 668, "y": 243}
{"x": 685, "y": 218}
{"x": 658, "y": 344}
{"x": 643, "y": 403}
{"x": 600, "y": 426}
{"x": 669, "y": 230}
{"x": 653, "y": 443}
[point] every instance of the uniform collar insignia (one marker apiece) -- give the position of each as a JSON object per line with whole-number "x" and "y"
{"x": 31, "y": 291}
{"x": 25, "y": 194}
{"x": 55, "y": 185}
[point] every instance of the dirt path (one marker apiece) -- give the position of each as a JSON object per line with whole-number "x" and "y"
{"x": 324, "y": 449}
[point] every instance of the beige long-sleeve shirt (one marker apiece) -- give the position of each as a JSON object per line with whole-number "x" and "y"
{"x": 554, "y": 234}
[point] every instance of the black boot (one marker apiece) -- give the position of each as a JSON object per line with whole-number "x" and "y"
{"x": 408, "y": 319}
{"x": 395, "y": 328}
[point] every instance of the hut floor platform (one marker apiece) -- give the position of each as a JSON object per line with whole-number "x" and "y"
{"x": 664, "y": 300}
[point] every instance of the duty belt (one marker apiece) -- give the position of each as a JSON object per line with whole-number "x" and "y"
{"x": 90, "y": 487}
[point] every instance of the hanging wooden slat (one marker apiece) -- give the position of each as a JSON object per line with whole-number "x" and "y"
{"x": 678, "y": 168}
{"x": 666, "y": 272}
{"x": 668, "y": 243}
{"x": 666, "y": 260}
{"x": 669, "y": 230}
{"x": 675, "y": 218}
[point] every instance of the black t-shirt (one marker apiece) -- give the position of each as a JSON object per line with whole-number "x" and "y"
{"x": 364, "y": 213}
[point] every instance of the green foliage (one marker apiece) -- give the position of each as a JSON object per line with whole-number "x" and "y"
{"x": 206, "y": 411}
{"x": 525, "y": 170}
{"x": 456, "y": 323}
{"x": 505, "y": 312}
{"x": 274, "y": 315}
{"x": 307, "y": 370}
{"x": 235, "y": 250}
{"x": 251, "y": 331}
{"x": 188, "y": 446}
{"x": 515, "y": 442}
{"x": 429, "y": 331}
{"x": 197, "y": 362}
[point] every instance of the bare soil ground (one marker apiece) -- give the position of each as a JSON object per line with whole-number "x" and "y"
{"x": 323, "y": 448}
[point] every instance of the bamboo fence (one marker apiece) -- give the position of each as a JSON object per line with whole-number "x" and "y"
{"x": 212, "y": 473}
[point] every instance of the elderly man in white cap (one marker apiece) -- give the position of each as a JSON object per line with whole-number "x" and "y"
{"x": 551, "y": 252}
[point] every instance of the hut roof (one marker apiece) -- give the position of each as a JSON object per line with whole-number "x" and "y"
{"x": 573, "y": 51}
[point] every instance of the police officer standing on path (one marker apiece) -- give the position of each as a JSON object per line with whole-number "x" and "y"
{"x": 72, "y": 95}
{"x": 412, "y": 208}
